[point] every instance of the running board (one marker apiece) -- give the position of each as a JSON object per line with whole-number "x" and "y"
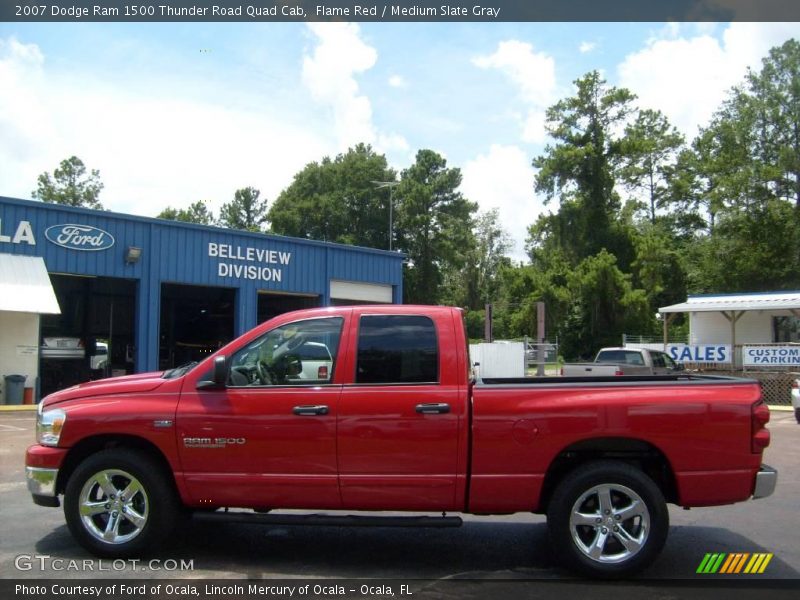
{"x": 326, "y": 520}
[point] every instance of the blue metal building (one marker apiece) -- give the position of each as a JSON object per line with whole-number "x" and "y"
{"x": 155, "y": 257}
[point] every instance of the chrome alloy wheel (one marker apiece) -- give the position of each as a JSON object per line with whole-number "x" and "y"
{"x": 609, "y": 523}
{"x": 113, "y": 506}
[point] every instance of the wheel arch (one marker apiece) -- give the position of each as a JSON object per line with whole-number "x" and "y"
{"x": 96, "y": 443}
{"x": 635, "y": 452}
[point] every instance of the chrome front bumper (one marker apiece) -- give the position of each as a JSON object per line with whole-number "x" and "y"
{"x": 766, "y": 479}
{"x": 41, "y": 482}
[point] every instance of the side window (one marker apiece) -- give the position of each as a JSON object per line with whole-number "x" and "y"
{"x": 658, "y": 359}
{"x": 670, "y": 364}
{"x": 634, "y": 358}
{"x": 397, "y": 349}
{"x": 300, "y": 353}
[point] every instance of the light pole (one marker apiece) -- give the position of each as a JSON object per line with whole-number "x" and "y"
{"x": 391, "y": 185}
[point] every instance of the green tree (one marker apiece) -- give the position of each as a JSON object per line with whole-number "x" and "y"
{"x": 478, "y": 281}
{"x": 70, "y": 185}
{"x": 197, "y": 212}
{"x": 337, "y": 200}
{"x": 742, "y": 175}
{"x": 434, "y": 224}
{"x": 604, "y": 305}
{"x": 579, "y": 169}
{"x": 245, "y": 211}
{"x": 649, "y": 152}
{"x": 749, "y": 251}
{"x": 774, "y": 97}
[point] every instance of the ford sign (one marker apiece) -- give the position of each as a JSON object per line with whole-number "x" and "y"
{"x": 79, "y": 237}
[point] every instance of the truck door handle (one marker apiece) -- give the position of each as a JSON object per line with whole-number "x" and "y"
{"x": 433, "y": 408}
{"x": 310, "y": 410}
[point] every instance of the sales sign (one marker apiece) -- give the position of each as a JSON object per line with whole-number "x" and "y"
{"x": 700, "y": 353}
{"x": 771, "y": 356}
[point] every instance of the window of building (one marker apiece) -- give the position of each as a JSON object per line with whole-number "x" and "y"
{"x": 785, "y": 329}
{"x": 397, "y": 349}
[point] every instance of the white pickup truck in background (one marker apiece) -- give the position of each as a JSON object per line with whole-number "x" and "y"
{"x": 624, "y": 361}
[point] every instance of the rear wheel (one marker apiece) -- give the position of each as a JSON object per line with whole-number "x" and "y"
{"x": 119, "y": 502}
{"x": 607, "y": 519}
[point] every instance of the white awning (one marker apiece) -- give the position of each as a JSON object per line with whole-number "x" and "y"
{"x": 361, "y": 292}
{"x": 25, "y": 285}
{"x": 737, "y": 302}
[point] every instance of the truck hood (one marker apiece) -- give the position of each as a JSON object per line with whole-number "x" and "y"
{"x": 129, "y": 384}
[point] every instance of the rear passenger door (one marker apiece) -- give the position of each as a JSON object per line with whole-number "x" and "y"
{"x": 399, "y": 415}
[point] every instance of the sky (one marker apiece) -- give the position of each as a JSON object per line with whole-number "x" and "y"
{"x": 172, "y": 113}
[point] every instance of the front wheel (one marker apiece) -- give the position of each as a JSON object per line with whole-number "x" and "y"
{"x": 119, "y": 503}
{"x": 607, "y": 519}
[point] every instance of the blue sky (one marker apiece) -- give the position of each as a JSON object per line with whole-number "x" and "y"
{"x": 171, "y": 113}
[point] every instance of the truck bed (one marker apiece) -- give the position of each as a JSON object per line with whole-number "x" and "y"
{"x": 616, "y": 380}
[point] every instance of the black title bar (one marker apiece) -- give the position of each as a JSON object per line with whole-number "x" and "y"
{"x": 398, "y": 10}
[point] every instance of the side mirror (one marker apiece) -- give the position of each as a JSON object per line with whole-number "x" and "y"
{"x": 219, "y": 375}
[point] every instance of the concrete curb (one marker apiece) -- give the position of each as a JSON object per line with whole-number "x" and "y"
{"x": 782, "y": 408}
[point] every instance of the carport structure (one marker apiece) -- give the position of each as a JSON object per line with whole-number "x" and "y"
{"x": 735, "y": 318}
{"x": 770, "y": 319}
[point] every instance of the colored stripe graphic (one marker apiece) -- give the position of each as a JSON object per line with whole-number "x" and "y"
{"x": 733, "y": 564}
{"x": 758, "y": 564}
{"x": 711, "y": 563}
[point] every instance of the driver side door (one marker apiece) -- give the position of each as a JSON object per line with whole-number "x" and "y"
{"x": 267, "y": 440}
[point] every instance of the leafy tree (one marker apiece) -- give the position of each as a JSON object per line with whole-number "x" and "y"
{"x": 579, "y": 168}
{"x": 478, "y": 281}
{"x": 774, "y": 95}
{"x": 245, "y": 211}
{"x": 70, "y": 185}
{"x": 604, "y": 306}
{"x": 197, "y": 212}
{"x": 434, "y": 223}
{"x": 649, "y": 151}
{"x": 749, "y": 251}
{"x": 337, "y": 200}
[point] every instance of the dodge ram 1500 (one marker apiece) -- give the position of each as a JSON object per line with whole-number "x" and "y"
{"x": 374, "y": 408}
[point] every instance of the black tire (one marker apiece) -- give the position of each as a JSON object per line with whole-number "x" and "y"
{"x": 797, "y": 415}
{"x": 143, "y": 519}
{"x": 617, "y": 543}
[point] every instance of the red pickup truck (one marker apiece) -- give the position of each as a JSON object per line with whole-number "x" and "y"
{"x": 374, "y": 408}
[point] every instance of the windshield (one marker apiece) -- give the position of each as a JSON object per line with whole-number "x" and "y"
{"x": 179, "y": 371}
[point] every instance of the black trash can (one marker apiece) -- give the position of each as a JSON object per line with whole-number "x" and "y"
{"x": 15, "y": 388}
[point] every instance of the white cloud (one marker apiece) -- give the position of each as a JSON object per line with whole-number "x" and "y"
{"x": 534, "y": 130}
{"x": 688, "y": 76}
{"x": 151, "y": 151}
{"x": 503, "y": 179}
{"x": 397, "y": 81}
{"x": 586, "y": 47}
{"x": 533, "y": 73}
{"x": 330, "y": 74}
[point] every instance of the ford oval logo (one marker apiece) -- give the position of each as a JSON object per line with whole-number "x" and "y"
{"x": 79, "y": 237}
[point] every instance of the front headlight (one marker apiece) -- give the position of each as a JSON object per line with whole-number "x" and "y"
{"x": 49, "y": 424}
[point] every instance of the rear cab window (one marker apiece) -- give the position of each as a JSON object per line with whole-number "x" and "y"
{"x": 397, "y": 349}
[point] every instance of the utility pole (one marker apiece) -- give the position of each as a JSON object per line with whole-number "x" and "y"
{"x": 391, "y": 185}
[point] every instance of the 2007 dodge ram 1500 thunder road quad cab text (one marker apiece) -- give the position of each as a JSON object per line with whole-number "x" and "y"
{"x": 390, "y": 420}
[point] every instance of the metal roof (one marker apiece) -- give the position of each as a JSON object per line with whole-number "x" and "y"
{"x": 738, "y": 302}
{"x": 25, "y": 285}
